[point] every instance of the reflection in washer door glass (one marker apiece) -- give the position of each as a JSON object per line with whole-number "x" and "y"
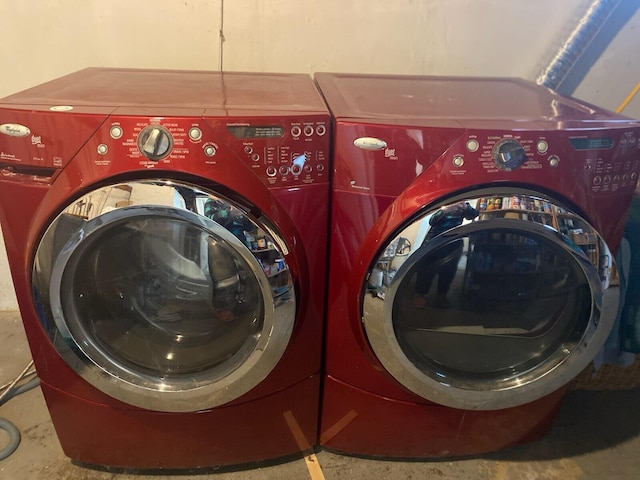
{"x": 490, "y": 304}
{"x": 165, "y": 297}
{"x": 227, "y": 216}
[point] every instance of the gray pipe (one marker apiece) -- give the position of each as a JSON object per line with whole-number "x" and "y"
{"x": 14, "y": 438}
{"x": 576, "y": 43}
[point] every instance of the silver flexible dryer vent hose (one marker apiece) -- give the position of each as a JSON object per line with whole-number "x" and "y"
{"x": 576, "y": 43}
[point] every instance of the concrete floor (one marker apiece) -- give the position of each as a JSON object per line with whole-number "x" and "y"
{"x": 596, "y": 436}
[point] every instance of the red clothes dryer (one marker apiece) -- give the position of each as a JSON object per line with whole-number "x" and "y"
{"x": 471, "y": 275}
{"x": 166, "y": 233}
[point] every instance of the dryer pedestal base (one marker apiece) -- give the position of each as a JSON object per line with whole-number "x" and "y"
{"x": 271, "y": 427}
{"x": 424, "y": 430}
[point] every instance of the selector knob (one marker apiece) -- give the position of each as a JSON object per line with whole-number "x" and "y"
{"x": 508, "y": 154}
{"x": 155, "y": 142}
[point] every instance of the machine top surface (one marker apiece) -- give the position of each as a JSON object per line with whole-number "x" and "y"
{"x": 452, "y": 98}
{"x": 119, "y": 87}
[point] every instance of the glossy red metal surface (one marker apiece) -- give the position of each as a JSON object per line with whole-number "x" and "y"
{"x": 113, "y": 88}
{"x": 391, "y": 99}
{"x": 62, "y": 158}
{"x": 99, "y": 434}
{"x": 432, "y": 139}
{"x": 405, "y": 429}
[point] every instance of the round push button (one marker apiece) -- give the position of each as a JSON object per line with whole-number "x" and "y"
{"x": 195, "y": 134}
{"x": 115, "y": 132}
{"x": 472, "y": 145}
{"x": 209, "y": 150}
{"x": 542, "y": 146}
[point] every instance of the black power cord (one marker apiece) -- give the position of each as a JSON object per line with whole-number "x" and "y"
{"x": 7, "y": 392}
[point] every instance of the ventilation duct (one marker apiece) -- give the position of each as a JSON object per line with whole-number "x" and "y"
{"x": 576, "y": 43}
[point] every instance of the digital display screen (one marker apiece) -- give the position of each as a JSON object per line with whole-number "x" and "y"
{"x": 251, "y": 131}
{"x": 601, "y": 143}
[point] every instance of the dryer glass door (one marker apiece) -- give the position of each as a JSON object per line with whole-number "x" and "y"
{"x": 485, "y": 308}
{"x": 159, "y": 305}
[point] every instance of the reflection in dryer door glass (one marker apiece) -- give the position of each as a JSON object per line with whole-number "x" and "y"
{"x": 505, "y": 292}
{"x": 488, "y": 288}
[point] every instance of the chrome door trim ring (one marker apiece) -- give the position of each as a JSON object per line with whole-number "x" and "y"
{"x": 149, "y": 392}
{"x": 381, "y": 336}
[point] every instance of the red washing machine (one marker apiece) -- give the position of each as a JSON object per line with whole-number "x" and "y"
{"x": 472, "y": 274}
{"x": 167, "y": 233}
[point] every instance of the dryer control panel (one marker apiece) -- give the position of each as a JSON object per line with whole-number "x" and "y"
{"x": 385, "y": 160}
{"x": 605, "y": 160}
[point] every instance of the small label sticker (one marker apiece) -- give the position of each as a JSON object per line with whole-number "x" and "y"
{"x": 370, "y": 143}
{"x": 14, "y": 130}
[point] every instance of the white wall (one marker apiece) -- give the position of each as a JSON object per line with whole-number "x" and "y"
{"x": 43, "y": 40}
{"x": 460, "y": 37}
{"x": 7, "y": 295}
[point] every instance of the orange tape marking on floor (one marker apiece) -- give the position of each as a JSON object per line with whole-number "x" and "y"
{"x": 313, "y": 466}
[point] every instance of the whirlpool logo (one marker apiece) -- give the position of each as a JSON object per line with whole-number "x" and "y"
{"x": 14, "y": 130}
{"x": 370, "y": 143}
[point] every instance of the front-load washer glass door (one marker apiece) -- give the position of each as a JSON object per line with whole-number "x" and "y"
{"x": 165, "y": 296}
{"x": 490, "y": 302}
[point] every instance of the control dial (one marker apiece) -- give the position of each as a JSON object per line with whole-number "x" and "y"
{"x": 155, "y": 142}
{"x": 508, "y": 154}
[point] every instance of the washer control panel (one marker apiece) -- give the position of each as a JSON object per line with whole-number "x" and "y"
{"x": 280, "y": 151}
{"x": 284, "y": 154}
